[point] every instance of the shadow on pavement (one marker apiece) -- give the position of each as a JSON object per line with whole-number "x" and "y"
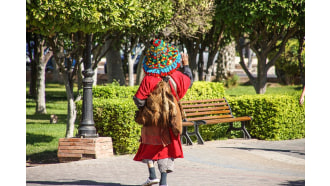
{"x": 80, "y": 182}
{"x": 294, "y": 183}
{"x": 274, "y": 150}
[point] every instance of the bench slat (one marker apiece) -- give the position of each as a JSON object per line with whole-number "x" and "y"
{"x": 186, "y": 123}
{"x": 204, "y": 105}
{"x": 228, "y": 120}
{"x": 202, "y": 101}
{"x": 207, "y": 113}
{"x": 208, "y": 118}
{"x": 205, "y": 109}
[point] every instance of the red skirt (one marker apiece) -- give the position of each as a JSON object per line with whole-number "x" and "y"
{"x": 156, "y": 152}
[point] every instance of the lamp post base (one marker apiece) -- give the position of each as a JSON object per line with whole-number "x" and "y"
{"x": 87, "y": 132}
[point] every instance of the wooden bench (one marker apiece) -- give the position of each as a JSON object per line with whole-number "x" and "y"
{"x": 207, "y": 112}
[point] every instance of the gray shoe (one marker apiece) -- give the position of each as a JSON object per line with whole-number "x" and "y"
{"x": 150, "y": 182}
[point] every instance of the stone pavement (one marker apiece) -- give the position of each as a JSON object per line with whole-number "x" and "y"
{"x": 224, "y": 162}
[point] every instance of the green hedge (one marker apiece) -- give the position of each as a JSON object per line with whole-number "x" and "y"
{"x": 275, "y": 117}
{"x": 114, "y": 90}
{"x": 199, "y": 90}
{"x": 115, "y": 118}
{"x": 205, "y": 90}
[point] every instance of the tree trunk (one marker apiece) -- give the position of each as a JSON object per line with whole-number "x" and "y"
{"x": 201, "y": 65}
{"x": 221, "y": 67}
{"x": 79, "y": 81}
{"x": 68, "y": 83}
{"x": 55, "y": 72}
{"x": 33, "y": 63}
{"x": 41, "y": 95}
{"x": 72, "y": 112}
{"x": 41, "y": 77}
{"x": 79, "y": 76}
{"x": 131, "y": 44}
{"x": 33, "y": 79}
{"x": 115, "y": 70}
{"x": 214, "y": 45}
{"x": 139, "y": 70}
{"x": 192, "y": 46}
{"x": 261, "y": 80}
{"x": 68, "y": 78}
{"x": 95, "y": 77}
{"x": 130, "y": 69}
{"x": 210, "y": 65}
{"x": 225, "y": 62}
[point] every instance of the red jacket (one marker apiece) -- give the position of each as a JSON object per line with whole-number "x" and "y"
{"x": 149, "y": 83}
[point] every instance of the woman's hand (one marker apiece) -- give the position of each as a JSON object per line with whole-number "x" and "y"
{"x": 184, "y": 59}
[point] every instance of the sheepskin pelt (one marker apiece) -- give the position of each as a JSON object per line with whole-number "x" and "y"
{"x": 161, "y": 109}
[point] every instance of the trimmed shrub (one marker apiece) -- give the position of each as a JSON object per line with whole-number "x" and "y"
{"x": 115, "y": 118}
{"x": 275, "y": 117}
{"x": 199, "y": 90}
{"x": 205, "y": 90}
{"x": 114, "y": 90}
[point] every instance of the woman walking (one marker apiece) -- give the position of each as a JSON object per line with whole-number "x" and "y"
{"x": 160, "y": 141}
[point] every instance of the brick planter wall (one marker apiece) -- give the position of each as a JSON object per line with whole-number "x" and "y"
{"x": 75, "y": 149}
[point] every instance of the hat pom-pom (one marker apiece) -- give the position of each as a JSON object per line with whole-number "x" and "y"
{"x": 157, "y": 42}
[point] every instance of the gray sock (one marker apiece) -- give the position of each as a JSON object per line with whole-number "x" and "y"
{"x": 152, "y": 173}
{"x": 163, "y": 178}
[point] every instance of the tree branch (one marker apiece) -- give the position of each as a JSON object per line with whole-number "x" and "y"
{"x": 282, "y": 48}
{"x": 242, "y": 63}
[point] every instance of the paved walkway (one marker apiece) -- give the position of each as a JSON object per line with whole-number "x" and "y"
{"x": 225, "y": 162}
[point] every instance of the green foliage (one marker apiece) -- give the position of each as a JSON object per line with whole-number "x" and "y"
{"x": 263, "y": 24}
{"x": 191, "y": 18}
{"x": 271, "y": 15}
{"x": 48, "y": 17}
{"x": 114, "y": 90}
{"x": 232, "y": 81}
{"x": 115, "y": 118}
{"x": 69, "y": 16}
{"x": 287, "y": 65}
{"x": 275, "y": 117}
{"x": 205, "y": 90}
{"x": 199, "y": 90}
{"x": 155, "y": 16}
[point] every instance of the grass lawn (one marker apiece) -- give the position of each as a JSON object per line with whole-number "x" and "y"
{"x": 271, "y": 89}
{"x": 42, "y": 137}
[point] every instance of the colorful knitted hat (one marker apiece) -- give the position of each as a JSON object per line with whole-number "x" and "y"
{"x": 161, "y": 59}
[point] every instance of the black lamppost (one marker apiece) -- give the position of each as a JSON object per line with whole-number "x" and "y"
{"x": 87, "y": 126}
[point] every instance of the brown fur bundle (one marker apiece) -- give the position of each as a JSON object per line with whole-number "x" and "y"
{"x": 161, "y": 109}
